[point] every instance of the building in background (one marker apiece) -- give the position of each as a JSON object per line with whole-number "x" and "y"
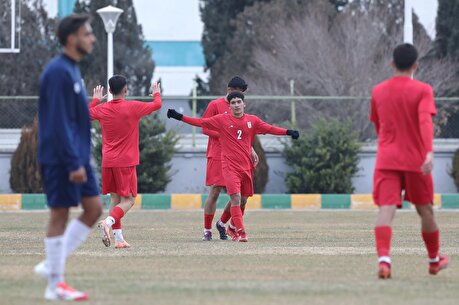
{"x": 173, "y": 30}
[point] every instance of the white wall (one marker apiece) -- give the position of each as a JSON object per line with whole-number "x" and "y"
{"x": 178, "y": 80}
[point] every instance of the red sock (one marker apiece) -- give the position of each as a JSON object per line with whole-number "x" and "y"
{"x": 117, "y": 225}
{"x": 236, "y": 217}
{"x": 432, "y": 241}
{"x": 225, "y": 216}
{"x": 383, "y": 236}
{"x": 208, "y": 221}
{"x": 117, "y": 214}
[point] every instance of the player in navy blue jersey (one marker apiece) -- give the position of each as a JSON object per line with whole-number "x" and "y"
{"x": 64, "y": 151}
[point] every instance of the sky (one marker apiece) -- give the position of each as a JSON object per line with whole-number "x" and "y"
{"x": 180, "y": 19}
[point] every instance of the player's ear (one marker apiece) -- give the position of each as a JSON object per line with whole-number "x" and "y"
{"x": 392, "y": 64}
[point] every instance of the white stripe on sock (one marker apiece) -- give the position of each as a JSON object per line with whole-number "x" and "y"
{"x": 118, "y": 235}
{"x": 384, "y": 259}
{"x": 110, "y": 221}
{"x": 434, "y": 260}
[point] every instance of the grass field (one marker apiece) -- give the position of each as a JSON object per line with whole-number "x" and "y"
{"x": 292, "y": 257}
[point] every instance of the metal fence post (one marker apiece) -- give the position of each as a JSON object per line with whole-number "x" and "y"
{"x": 293, "y": 103}
{"x": 193, "y": 108}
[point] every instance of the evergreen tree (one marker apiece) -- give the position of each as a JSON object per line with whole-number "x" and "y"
{"x": 157, "y": 148}
{"x": 447, "y": 47}
{"x": 323, "y": 160}
{"x": 131, "y": 57}
{"x": 447, "y": 28}
{"x": 217, "y": 16}
{"x": 19, "y": 72}
{"x": 25, "y": 174}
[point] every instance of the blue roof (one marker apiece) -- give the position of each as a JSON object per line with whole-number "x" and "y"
{"x": 177, "y": 53}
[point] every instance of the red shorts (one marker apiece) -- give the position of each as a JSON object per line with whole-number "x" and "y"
{"x": 238, "y": 182}
{"x": 388, "y": 186}
{"x": 214, "y": 173}
{"x": 119, "y": 180}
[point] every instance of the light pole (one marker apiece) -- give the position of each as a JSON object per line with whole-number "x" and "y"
{"x": 408, "y": 23}
{"x": 109, "y": 15}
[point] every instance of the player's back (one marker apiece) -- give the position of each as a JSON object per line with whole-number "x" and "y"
{"x": 119, "y": 120}
{"x": 396, "y": 104}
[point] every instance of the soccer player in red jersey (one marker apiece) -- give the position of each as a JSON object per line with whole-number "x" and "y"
{"x": 402, "y": 110}
{"x": 236, "y": 133}
{"x": 119, "y": 120}
{"x": 214, "y": 178}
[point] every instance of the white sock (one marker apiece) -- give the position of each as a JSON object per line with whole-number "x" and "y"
{"x": 75, "y": 234}
{"x": 231, "y": 226}
{"x": 207, "y": 230}
{"x": 55, "y": 259}
{"x": 118, "y": 235}
{"x": 221, "y": 223}
{"x": 110, "y": 221}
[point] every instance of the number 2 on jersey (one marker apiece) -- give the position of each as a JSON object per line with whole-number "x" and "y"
{"x": 239, "y": 134}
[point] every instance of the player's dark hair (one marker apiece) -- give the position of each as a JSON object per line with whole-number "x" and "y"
{"x": 405, "y": 56}
{"x": 117, "y": 83}
{"x": 234, "y": 95}
{"x": 70, "y": 25}
{"x": 238, "y": 83}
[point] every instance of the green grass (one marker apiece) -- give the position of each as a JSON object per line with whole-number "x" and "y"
{"x": 292, "y": 257}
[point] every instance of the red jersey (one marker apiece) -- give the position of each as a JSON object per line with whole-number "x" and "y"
{"x": 397, "y": 105}
{"x": 119, "y": 120}
{"x": 218, "y": 106}
{"x": 236, "y": 136}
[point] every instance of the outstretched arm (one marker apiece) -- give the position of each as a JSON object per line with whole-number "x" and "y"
{"x": 264, "y": 128}
{"x": 213, "y": 123}
{"x": 171, "y": 113}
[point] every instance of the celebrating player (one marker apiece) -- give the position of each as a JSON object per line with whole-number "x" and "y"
{"x": 236, "y": 133}
{"x": 119, "y": 120}
{"x": 214, "y": 178}
{"x": 402, "y": 110}
{"x": 64, "y": 150}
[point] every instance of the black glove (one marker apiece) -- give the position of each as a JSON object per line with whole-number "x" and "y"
{"x": 171, "y": 113}
{"x": 293, "y": 133}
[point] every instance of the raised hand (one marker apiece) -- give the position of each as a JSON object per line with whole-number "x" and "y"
{"x": 155, "y": 88}
{"x": 98, "y": 93}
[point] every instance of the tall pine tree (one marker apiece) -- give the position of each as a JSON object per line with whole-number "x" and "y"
{"x": 218, "y": 16}
{"x": 131, "y": 57}
{"x": 19, "y": 72}
{"x": 447, "y": 29}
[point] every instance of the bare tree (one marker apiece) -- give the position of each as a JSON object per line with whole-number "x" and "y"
{"x": 327, "y": 54}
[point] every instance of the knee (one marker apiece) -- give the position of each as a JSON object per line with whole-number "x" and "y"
{"x": 95, "y": 211}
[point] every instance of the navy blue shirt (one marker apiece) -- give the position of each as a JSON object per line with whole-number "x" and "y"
{"x": 64, "y": 132}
